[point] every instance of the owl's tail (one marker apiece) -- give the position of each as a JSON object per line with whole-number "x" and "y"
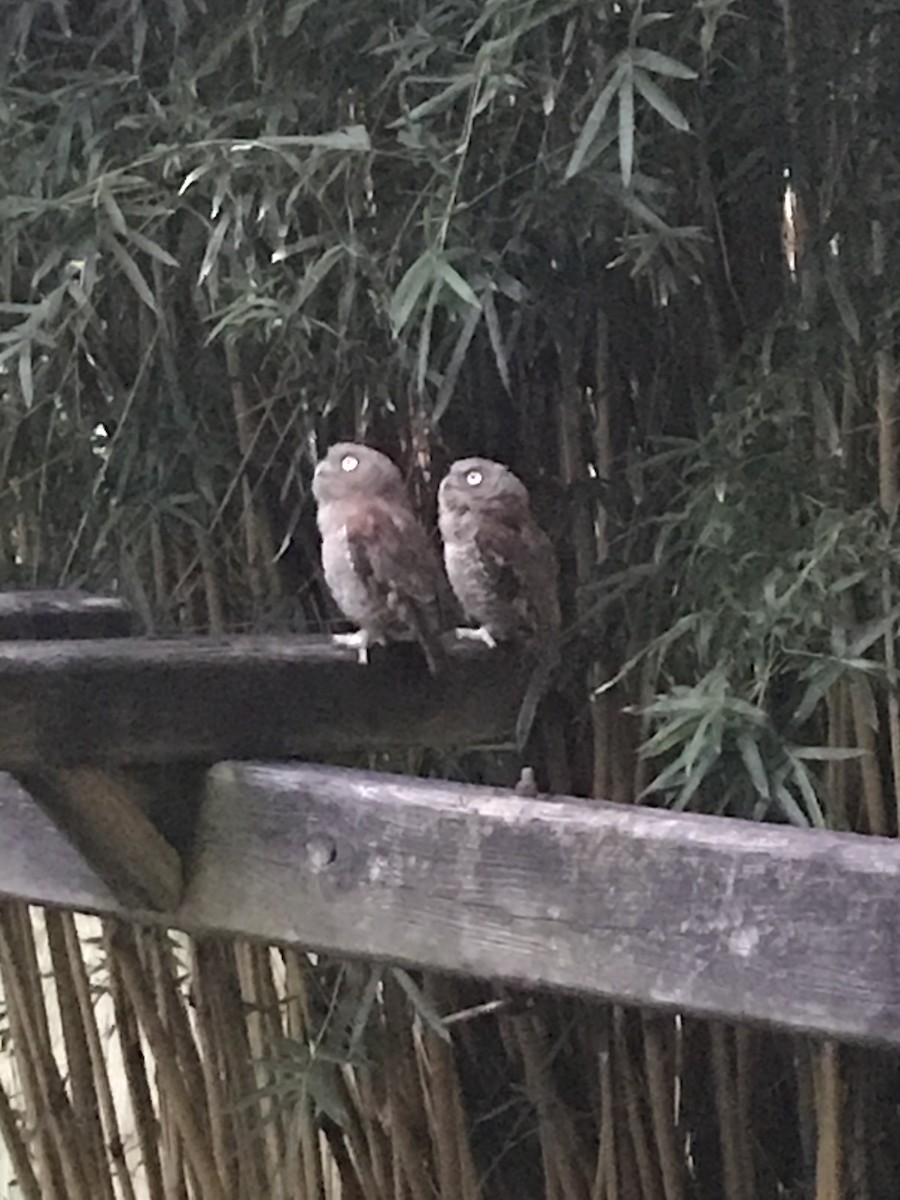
{"x": 425, "y": 626}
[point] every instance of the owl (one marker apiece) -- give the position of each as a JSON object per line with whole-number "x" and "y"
{"x": 378, "y": 561}
{"x": 499, "y": 561}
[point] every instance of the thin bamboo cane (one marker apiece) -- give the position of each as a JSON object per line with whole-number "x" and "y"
{"x": 196, "y": 1144}
{"x": 829, "y": 1123}
{"x": 147, "y": 1124}
{"x": 105, "y": 1101}
{"x": 85, "y": 1103}
{"x": 662, "y": 1108}
{"x": 26, "y": 1180}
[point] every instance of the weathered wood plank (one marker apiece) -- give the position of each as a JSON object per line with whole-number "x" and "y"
{"x": 145, "y": 700}
{"x": 64, "y": 613}
{"x": 102, "y": 814}
{"x": 39, "y": 864}
{"x": 706, "y": 914}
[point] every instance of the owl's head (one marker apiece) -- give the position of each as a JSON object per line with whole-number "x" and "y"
{"x": 480, "y": 483}
{"x": 348, "y": 471}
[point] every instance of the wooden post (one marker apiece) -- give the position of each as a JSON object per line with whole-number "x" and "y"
{"x": 103, "y": 813}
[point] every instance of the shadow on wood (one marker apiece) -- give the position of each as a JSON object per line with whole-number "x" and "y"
{"x": 145, "y": 700}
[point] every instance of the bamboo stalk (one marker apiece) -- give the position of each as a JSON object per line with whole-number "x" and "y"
{"x": 23, "y": 989}
{"x": 829, "y": 1113}
{"x": 564, "y": 1165}
{"x": 887, "y": 404}
{"x": 195, "y": 1143}
{"x": 105, "y": 1101}
{"x": 26, "y": 1180}
{"x": 647, "y": 1167}
{"x": 870, "y": 773}
{"x": 148, "y": 1127}
{"x": 210, "y": 1056}
{"x": 408, "y": 1131}
{"x": 662, "y": 1108}
{"x": 745, "y": 1044}
{"x": 85, "y": 1102}
{"x": 726, "y": 1108}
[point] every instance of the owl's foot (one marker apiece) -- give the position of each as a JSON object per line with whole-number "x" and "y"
{"x": 476, "y": 635}
{"x": 358, "y": 641}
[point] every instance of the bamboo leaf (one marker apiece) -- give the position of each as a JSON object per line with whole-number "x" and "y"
{"x": 626, "y": 127}
{"x": 26, "y": 377}
{"x": 658, "y": 99}
{"x": 111, "y": 207}
{"x": 131, "y": 271}
{"x": 826, "y": 753}
{"x": 455, "y": 281}
{"x": 294, "y": 12}
{"x": 425, "y": 334}
{"x": 457, "y": 358}
{"x": 150, "y": 247}
{"x": 834, "y": 277}
{"x": 661, "y": 64}
{"x": 318, "y": 271}
{"x": 493, "y": 325}
{"x": 422, "y": 1005}
{"x": 409, "y": 289}
{"x": 790, "y": 808}
{"x": 752, "y": 759}
{"x": 437, "y": 103}
{"x": 213, "y": 246}
{"x": 595, "y": 119}
{"x": 808, "y": 792}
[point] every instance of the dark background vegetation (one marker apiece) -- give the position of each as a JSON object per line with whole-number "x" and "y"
{"x": 646, "y": 255}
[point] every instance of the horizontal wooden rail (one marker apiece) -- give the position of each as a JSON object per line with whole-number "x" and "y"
{"x": 704, "y": 914}
{"x": 147, "y": 700}
{"x": 67, "y": 613}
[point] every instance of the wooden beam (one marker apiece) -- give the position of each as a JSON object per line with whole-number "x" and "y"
{"x": 103, "y": 814}
{"x": 67, "y": 613}
{"x": 703, "y": 914}
{"x": 145, "y": 700}
{"x": 39, "y": 864}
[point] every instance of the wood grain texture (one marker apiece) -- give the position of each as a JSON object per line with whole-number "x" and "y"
{"x": 145, "y": 700}
{"x": 103, "y": 815}
{"x": 39, "y": 864}
{"x": 710, "y": 915}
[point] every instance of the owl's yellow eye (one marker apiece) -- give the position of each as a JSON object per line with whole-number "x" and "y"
{"x": 473, "y": 478}
{"x": 349, "y": 462}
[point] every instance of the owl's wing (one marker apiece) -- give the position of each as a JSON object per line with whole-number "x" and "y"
{"x": 390, "y": 553}
{"x": 522, "y": 568}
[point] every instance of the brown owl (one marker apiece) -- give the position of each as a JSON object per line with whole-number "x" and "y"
{"x": 499, "y": 561}
{"x": 378, "y": 562}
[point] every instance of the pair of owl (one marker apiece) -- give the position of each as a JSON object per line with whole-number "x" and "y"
{"x": 385, "y": 576}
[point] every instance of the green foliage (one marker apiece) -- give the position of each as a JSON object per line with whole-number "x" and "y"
{"x": 230, "y": 237}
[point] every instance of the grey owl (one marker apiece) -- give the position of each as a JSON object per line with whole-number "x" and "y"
{"x": 378, "y": 562}
{"x": 499, "y": 561}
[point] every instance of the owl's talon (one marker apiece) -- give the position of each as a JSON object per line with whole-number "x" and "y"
{"x": 356, "y": 641}
{"x": 480, "y": 634}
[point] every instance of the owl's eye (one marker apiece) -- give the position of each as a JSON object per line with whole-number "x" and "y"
{"x": 473, "y": 478}
{"x": 349, "y": 462}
